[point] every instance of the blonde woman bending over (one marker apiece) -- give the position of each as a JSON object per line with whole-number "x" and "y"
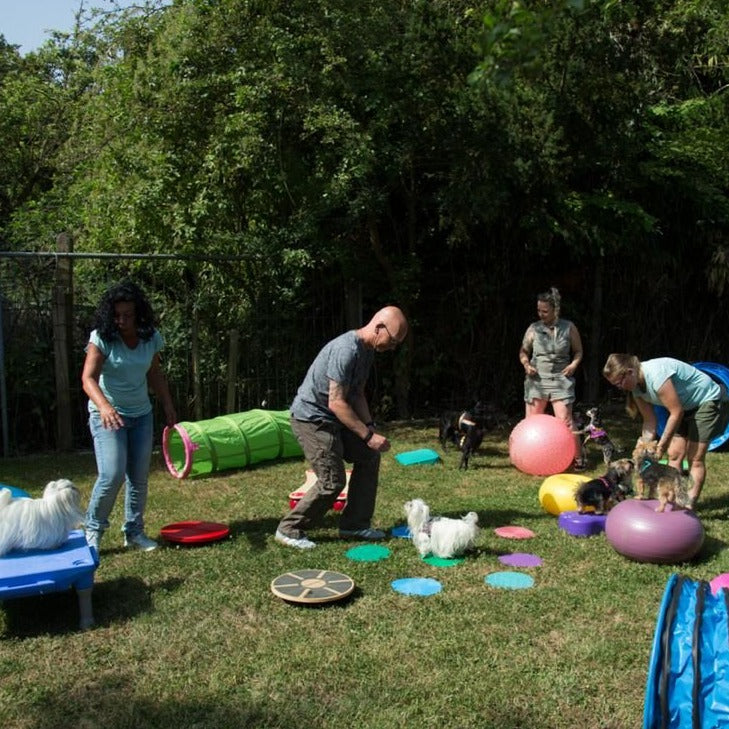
{"x": 698, "y": 408}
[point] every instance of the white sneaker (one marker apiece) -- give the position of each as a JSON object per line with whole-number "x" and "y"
{"x": 92, "y": 539}
{"x": 140, "y": 541}
{"x": 301, "y": 543}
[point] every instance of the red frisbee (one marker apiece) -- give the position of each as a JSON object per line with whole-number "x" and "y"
{"x": 194, "y": 532}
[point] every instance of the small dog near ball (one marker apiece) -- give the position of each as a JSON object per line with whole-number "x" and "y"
{"x": 604, "y": 492}
{"x": 655, "y": 480}
{"x": 440, "y": 536}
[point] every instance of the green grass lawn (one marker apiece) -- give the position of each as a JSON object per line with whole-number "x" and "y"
{"x": 193, "y": 637}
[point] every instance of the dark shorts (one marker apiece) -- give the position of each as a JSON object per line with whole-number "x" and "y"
{"x": 706, "y": 422}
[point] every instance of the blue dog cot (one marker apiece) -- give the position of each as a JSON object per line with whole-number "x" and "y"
{"x": 24, "y": 573}
{"x": 720, "y": 374}
{"x": 688, "y": 674}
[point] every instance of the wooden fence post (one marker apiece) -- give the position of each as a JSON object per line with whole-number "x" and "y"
{"x": 62, "y": 318}
{"x": 232, "y": 371}
{"x": 197, "y": 401}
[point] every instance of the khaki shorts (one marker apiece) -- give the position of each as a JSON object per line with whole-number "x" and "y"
{"x": 706, "y": 422}
{"x": 549, "y": 387}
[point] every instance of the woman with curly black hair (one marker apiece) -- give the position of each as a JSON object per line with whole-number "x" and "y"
{"x": 122, "y": 364}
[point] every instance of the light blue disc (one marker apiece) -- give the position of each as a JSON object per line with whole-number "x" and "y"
{"x": 509, "y": 580}
{"x": 421, "y": 586}
{"x": 401, "y": 531}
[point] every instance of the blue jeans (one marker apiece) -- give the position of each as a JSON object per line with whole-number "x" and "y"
{"x": 122, "y": 456}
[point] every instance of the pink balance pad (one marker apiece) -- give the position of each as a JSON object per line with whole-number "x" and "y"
{"x": 720, "y": 582}
{"x": 582, "y": 525}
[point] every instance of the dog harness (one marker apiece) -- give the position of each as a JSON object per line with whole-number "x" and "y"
{"x": 596, "y": 433}
{"x": 612, "y": 491}
{"x": 606, "y": 484}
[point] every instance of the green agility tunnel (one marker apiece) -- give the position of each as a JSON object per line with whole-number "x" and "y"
{"x": 228, "y": 441}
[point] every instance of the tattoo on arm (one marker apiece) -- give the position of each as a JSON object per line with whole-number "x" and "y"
{"x": 337, "y": 391}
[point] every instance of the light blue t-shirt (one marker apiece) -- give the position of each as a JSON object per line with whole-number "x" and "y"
{"x": 693, "y": 386}
{"x": 123, "y": 377}
{"x": 345, "y": 360}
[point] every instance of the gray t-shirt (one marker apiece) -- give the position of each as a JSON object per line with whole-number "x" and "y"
{"x": 344, "y": 360}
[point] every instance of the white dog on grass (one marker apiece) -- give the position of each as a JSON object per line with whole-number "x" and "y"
{"x": 440, "y": 536}
{"x": 39, "y": 523}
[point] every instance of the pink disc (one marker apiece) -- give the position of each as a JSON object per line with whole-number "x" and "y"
{"x": 719, "y": 582}
{"x": 514, "y": 532}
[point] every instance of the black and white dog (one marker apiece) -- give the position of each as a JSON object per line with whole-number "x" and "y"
{"x": 590, "y": 425}
{"x": 465, "y": 430}
{"x": 604, "y": 492}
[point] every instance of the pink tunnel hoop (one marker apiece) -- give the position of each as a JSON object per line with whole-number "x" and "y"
{"x": 190, "y": 448}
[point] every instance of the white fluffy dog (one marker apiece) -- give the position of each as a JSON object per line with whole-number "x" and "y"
{"x": 39, "y": 523}
{"x": 441, "y": 536}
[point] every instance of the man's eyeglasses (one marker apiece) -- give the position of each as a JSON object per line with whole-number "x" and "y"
{"x": 393, "y": 341}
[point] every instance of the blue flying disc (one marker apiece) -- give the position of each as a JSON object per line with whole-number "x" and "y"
{"x": 510, "y": 580}
{"x": 367, "y": 553}
{"x": 420, "y": 586}
{"x": 401, "y": 531}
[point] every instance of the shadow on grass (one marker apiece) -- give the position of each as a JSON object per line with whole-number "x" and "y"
{"x": 256, "y": 531}
{"x": 57, "y": 613}
{"x": 713, "y": 507}
{"x": 113, "y": 703}
{"x": 709, "y": 549}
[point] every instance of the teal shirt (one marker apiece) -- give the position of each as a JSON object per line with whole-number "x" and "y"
{"x": 693, "y": 386}
{"x": 123, "y": 377}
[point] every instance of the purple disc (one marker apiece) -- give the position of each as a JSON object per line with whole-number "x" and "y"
{"x": 582, "y": 525}
{"x": 521, "y": 559}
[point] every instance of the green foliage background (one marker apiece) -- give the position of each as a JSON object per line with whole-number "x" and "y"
{"x": 453, "y": 157}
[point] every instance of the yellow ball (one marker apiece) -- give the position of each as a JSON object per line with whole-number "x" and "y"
{"x": 557, "y": 493}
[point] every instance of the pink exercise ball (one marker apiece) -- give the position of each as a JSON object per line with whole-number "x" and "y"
{"x": 636, "y": 530}
{"x": 542, "y": 445}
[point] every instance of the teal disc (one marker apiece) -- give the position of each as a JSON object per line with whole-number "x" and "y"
{"x": 442, "y": 561}
{"x": 367, "y": 553}
{"x": 510, "y": 580}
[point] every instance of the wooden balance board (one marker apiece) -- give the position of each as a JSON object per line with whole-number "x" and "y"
{"x": 312, "y": 586}
{"x": 339, "y": 504}
{"x": 194, "y": 532}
